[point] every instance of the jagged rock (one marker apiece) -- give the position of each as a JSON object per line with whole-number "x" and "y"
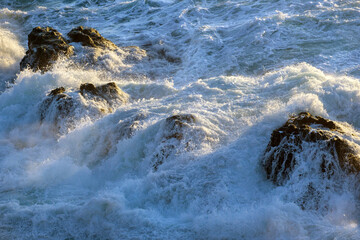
{"x": 45, "y": 47}
{"x": 287, "y": 143}
{"x": 57, "y": 91}
{"x": 90, "y": 37}
{"x": 56, "y": 108}
{"x": 174, "y": 129}
{"x": 61, "y": 108}
{"x": 109, "y": 92}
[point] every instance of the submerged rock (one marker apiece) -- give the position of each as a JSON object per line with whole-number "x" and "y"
{"x": 105, "y": 143}
{"x": 46, "y": 45}
{"x": 173, "y": 135}
{"x": 90, "y": 37}
{"x": 323, "y": 137}
{"x": 61, "y": 109}
{"x": 56, "y": 108}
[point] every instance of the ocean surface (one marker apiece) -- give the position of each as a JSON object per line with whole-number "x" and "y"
{"x": 240, "y": 67}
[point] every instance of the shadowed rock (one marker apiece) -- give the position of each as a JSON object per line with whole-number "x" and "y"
{"x": 109, "y": 92}
{"x": 57, "y": 107}
{"x": 57, "y": 91}
{"x": 174, "y": 130}
{"x": 45, "y": 45}
{"x": 288, "y": 142}
{"x": 90, "y": 37}
{"x": 62, "y": 109}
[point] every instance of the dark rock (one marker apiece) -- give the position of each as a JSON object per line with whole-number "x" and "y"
{"x": 168, "y": 57}
{"x": 90, "y": 37}
{"x": 46, "y": 45}
{"x": 57, "y": 91}
{"x": 109, "y": 92}
{"x": 174, "y": 130}
{"x": 287, "y": 143}
{"x": 127, "y": 128}
{"x": 57, "y": 107}
{"x": 62, "y": 109}
{"x": 88, "y": 88}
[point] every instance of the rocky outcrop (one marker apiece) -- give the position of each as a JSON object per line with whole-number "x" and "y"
{"x": 62, "y": 108}
{"x": 57, "y": 110}
{"x": 90, "y": 37}
{"x": 326, "y": 139}
{"x": 109, "y": 92}
{"x": 46, "y": 45}
{"x": 175, "y": 128}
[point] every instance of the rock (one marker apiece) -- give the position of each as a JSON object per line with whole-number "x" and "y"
{"x": 56, "y": 108}
{"x": 57, "y": 91}
{"x": 168, "y": 57}
{"x": 90, "y": 37}
{"x": 289, "y": 141}
{"x": 62, "y": 109}
{"x": 173, "y": 135}
{"x": 127, "y": 128}
{"x": 109, "y": 92}
{"x": 46, "y": 45}
{"x": 174, "y": 125}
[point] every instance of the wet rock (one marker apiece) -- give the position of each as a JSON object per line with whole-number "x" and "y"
{"x": 168, "y": 56}
{"x": 127, "y": 128}
{"x": 62, "y": 108}
{"x": 161, "y": 50}
{"x": 301, "y": 132}
{"x": 45, "y": 45}
{"x": 57, "y": 91}
{"x": 90, "y": 37}
{"x": 109, "y": 92}
{"x": 104, "y": 144}
{"x": 57, "y": 107}
{"x": 173, "y": 136}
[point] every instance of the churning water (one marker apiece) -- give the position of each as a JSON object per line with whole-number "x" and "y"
{"x": 241, "y": 67}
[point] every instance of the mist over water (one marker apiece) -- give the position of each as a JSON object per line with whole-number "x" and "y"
{"x": 241, "y": 68}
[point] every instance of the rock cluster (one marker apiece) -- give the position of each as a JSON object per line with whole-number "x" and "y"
{"x": 46, "y": 45}
{"x": 64, "y": 106}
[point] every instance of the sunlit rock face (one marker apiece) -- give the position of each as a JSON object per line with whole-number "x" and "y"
{"x": 90, "y": 37}
{"x": 63, "y": 108}
{"x": 312, "y": 150}
{"x": 45, "y": 45}
{"x": 289, "y": 140}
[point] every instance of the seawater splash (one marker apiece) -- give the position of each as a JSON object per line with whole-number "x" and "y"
{"x": 239, "y": 68}
{"x": 98, "y": 181}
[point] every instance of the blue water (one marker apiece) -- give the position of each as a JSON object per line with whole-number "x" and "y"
{"x": 240, "y": 67}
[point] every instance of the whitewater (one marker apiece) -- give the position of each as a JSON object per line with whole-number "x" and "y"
{"x": 241, "y": 68}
